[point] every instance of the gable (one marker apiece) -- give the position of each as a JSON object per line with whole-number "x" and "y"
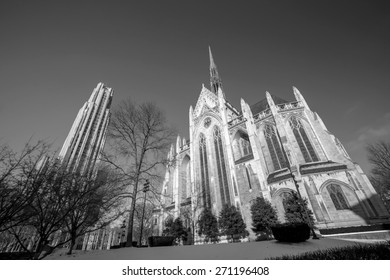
{"x": 207, "y": 100}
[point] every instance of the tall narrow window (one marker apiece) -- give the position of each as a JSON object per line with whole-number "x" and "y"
{"x": 185, "y": 178}
{"x": 221, "y": 167}
{"x": 274, "y": 147}
{"x": 245, "y": 146}
{"x": 235, "y": 187}
{"x": 204, "y": 172}
{"x": 337, "y": 196}
{"x": 248, "y": 177}
{"x": 303, "y": 140}
{"x": 188, "y": 182}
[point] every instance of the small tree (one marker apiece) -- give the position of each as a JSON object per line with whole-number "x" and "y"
{"x": 297, "y": 210}
{"x": 263, "y": 217}
{"x": 176, "y": 229}
{"x": 231, "y": 224}
{"x": 208, "y": 226}
{"x": 168, "y": 227}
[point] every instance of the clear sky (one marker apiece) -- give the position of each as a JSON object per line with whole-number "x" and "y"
{"x": 53, "y": 53}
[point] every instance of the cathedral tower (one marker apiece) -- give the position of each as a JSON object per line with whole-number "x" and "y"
{"x": 215, "y": 80}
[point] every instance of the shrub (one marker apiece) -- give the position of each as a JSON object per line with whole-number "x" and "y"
{"x": 16, "y": 256}
{"x": 168, "y": 227}
{"x": 155, "y": 241}
{"x": 123, "y": 244}
{"x": 291, "y": 232}
{"x": 231, "y": 224}
{"x": 208, "y": 226}
{"x": 263, "y": 217}
{"x": 176, "y": 229}
{"x": 296, "y": 208}
{"x": 355, "y": 229}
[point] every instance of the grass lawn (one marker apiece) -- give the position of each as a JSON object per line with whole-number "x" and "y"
{"x": 233, "y": 251}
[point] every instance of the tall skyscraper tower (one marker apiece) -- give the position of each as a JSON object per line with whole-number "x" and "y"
{"x": 87, "y": 136}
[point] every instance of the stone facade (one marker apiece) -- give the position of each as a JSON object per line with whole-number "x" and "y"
{"x": 235, "y": 156}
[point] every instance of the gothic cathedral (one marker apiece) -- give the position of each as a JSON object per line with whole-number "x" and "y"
{"x": 234, "y": 156}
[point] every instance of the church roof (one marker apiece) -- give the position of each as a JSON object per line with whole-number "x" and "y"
{"x": 263, "y": 104}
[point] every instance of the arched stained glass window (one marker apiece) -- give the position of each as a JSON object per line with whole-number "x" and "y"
{"x": 274, "y": 147}
{"x": 303, "y": 140}
{"x": 335, "y": 201}
{"x": 204, "y": 172}
{"x": 337, "y": 196}
{"x": 221, "y": 167}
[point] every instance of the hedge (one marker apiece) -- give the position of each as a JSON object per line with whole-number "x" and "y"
{"x": 291, "y": 232}
{"x": 16, "y": 256}
{"x": 155, "y": 241}
{"x": 378, "y": 251}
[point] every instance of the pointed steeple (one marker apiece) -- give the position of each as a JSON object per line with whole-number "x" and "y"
{"x": 215, "y": 80}
{"x": 212, "y": 64}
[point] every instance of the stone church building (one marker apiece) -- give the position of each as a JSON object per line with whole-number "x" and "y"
{"x": 235, "y": 155}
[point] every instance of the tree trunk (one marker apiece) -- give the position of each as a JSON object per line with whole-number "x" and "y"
{"x": 38, "y": 251}
{"x": 193, "y": 233}
{"x": 72, "y": 243}
{"x": 129, "y": 240}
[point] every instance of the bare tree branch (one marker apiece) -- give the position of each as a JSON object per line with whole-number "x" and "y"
{"x": 379, "y": 157}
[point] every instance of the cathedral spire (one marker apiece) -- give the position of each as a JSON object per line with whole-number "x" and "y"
{"x": 215, "y": 80}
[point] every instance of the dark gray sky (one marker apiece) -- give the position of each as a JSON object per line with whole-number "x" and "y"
{"x": 53, "y": 53}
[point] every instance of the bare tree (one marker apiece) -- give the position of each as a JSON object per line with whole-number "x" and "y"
{"x": 96, "y": 202}
{"x": 379, "y": 157}
{"x": 17, "y": 172}
{"x": 39, "y": 199}
{"x": 47, "y": 207}
{"x": 139, "y": 138}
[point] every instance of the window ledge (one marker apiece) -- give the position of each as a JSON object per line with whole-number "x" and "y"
{"x": 244, "y": 159}
{"x": 320, "y": 167}
{"x": 279, "y": 175}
